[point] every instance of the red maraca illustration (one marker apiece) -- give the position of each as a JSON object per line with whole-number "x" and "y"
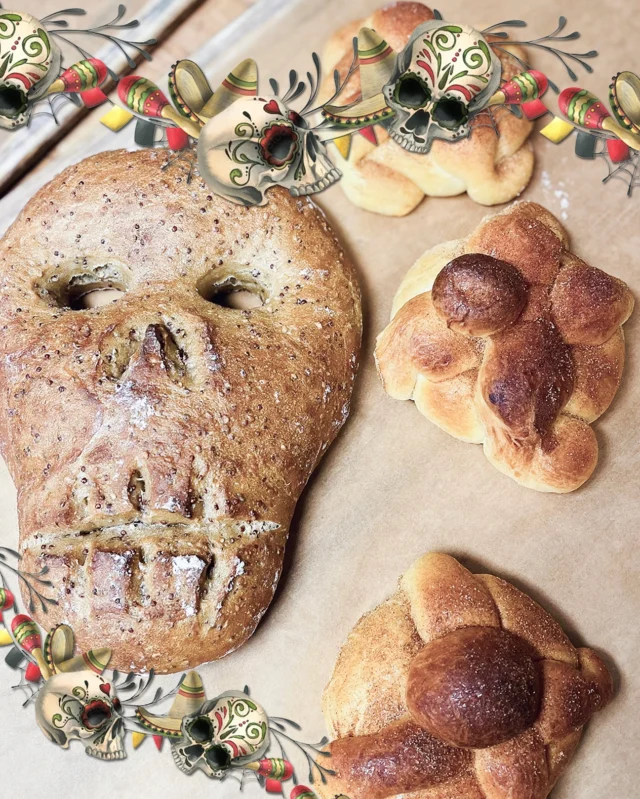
{"x": 521, "y": 89}
{"x": 27, "y": 635}
{"x": 583, "y": 109}
{"x": 83, "y": 78}
{"x": 143, "y": 97}
{"x": 7, "y": 600}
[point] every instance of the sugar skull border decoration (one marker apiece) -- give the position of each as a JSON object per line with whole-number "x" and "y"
{"x": 77, "y": 699}
{"x": 32, "y": 76}
{"x": 248, "y": 141}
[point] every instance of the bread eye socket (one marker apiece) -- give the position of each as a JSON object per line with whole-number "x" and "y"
{"x": 84, "y": 290}
{"x": 232, "y": 293}
{"x": 450, "y": 113}
{"x": 412, "y": 92}
{"x": 95, "y": 296}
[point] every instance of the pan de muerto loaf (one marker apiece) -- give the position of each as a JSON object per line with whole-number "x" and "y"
{"x": 493, "y": 165}
{"x": 457, "y": 687}
{"x": 509, "y": 340}
{"x": 159, "y": 443}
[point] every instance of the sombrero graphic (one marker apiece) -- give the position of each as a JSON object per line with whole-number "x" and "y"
{"x": 624, "y": 97}
{"x": 195, "y": 99}
{"x": 58, "y": 653}
{"x": 188, "y": 700}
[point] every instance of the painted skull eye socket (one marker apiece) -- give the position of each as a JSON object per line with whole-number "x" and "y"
{"x": 450, "y": 113}
{"x": 218, "y": 757}
{"x": 279, "y": 144}
{"x": 201, "y": 729}
{"x": 412, "y": 92}
{"x": 12, "y": 101}
{"x": 96, "y": 714}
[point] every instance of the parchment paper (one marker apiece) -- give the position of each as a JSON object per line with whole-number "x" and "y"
{"x": 395, "y": 486}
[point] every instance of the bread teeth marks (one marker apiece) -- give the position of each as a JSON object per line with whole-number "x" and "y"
{"x": 216, "y": 403}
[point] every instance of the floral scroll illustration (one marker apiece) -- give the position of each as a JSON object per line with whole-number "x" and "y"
{"x": 76, "y": 698}
{"x": 248, "y": 141}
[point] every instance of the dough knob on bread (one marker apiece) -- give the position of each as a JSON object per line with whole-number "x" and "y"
{"x": 459, "y": 686}
{"x": 479, "y": 295}
{"x": 476, "y": 687}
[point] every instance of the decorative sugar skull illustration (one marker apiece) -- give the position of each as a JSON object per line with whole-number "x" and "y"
{"x": 81, "y": 705}
{"x": 226, "y": 732}
{"x": 258, "y": 142}
{"x": 444, "y": 74}
{"x": 29, "y": 63}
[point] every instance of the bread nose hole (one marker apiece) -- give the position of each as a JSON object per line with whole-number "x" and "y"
{"x": 161, "y": 346}
{"x": 137, "y": 490}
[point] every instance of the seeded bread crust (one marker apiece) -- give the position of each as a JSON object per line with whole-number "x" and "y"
{"x": 159, "y": 444}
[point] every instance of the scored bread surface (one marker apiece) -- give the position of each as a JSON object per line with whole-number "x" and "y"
{"x": 159, "y": 444}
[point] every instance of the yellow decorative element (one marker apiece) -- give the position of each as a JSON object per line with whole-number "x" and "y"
{"x": 343, "y": 145}
{"x": 137, "y": 738}
{"x": 242, "y": 81}
{"x": 5, "y": 637}
{"x": 376, "y": 61}
{"x": 117, "y": 118}
{"x": 557, "y": 130}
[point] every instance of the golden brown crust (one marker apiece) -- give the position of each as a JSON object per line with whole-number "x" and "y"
{"x": 588, "y": 304}
{"x": 434, "y": 350}
{"x": 479, "y": 295}
{"x": 390, "y": 180}
{"x": 522, "y": 366}
{"x": 399, "y": 755}
{"x": 475, "y": 687}
{"x": 526, "y": 378}
{"x": 159, "y": 444}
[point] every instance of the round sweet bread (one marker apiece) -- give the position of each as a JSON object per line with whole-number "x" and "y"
{"x": 457, "y": 687}
{"x": 159, "y": 441}
{"x": 509, "y": 340}
{"x": 493, "y": 165}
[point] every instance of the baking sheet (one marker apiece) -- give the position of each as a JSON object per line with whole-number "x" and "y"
{"x": 394, "y": 486}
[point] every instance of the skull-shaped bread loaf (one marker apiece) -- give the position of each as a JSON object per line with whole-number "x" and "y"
{"x": 224, "y": 733}
{"x": 457, "y": 687}
{"x": 81, "y": 705}
{"x": 509, "y": 340}
{"x": 443, "y": 73}
{"x": 30, "y": 63}
{"x": 159, "y": 443}
{"x": 271, "y": 146}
